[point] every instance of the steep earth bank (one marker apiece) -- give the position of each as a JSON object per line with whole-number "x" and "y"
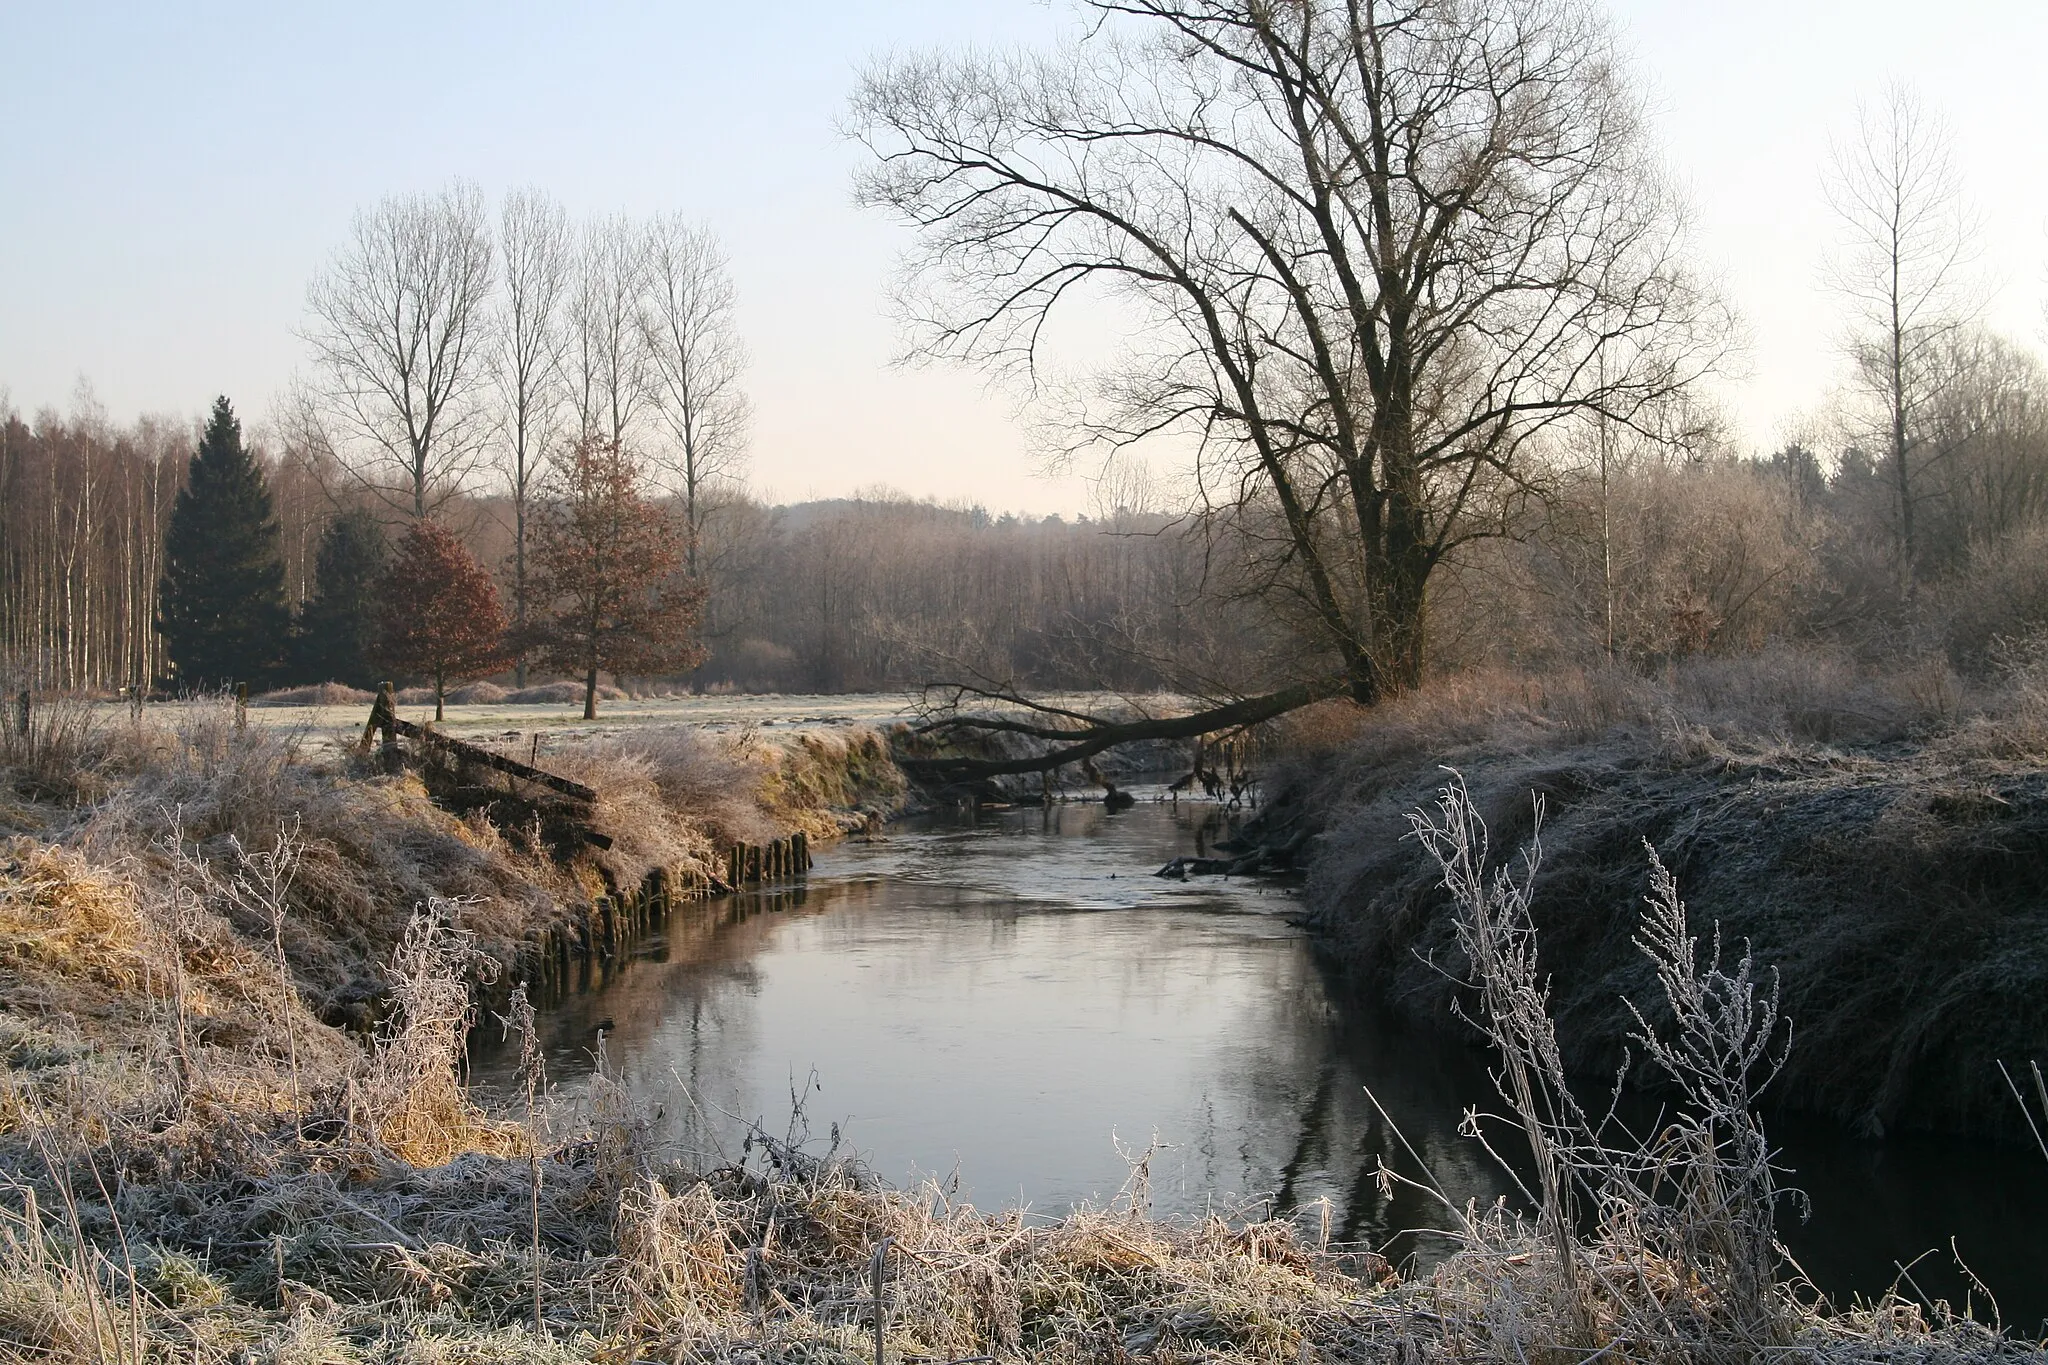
{"x": 1891, "y": 869}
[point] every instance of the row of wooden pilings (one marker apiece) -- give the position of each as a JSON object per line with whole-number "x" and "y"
{"x": 775, "y": 861}
{"x": 565, "y": 959}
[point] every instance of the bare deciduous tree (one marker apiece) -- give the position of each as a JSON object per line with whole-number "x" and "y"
{"x": 697, "y": 357}
{"x": 605, "y": 354}
{"x": 1906, "y": 243}
{"x": 400, "y": 334}
{"x": 1374, "y": 253}
{"x": 1984, "y": 432}
{"x": 534, "y": 242}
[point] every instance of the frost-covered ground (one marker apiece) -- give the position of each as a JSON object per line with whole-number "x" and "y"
{"x": 323, "y": 728}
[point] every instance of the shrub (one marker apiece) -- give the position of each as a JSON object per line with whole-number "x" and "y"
{"x": 320, "y": 694}
{"x": 559, "y": 693}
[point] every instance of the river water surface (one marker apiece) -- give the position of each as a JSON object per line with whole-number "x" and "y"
{"x": 1015, "y": 1005}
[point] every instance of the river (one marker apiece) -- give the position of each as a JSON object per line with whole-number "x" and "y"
{"x": 1014, "y": 1006}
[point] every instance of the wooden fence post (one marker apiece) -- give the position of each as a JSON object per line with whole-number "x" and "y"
{"x": 384, "y": 715}
{"x": 241, "y": 707}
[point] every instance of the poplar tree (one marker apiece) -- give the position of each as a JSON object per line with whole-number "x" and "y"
{"x": 222, "y": 607}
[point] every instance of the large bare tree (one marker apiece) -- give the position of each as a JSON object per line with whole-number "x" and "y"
{"x": 1374, "y": 253}
{"x": 604, "y": 356}
{"x": 533, "y": 236}
{"x": 1906, "y": 244}
{"x": 400, "y": 331}
{"x": 693, "y": 341}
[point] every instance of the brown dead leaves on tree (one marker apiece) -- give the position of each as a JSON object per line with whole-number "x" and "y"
{"x": 608, "y": 560}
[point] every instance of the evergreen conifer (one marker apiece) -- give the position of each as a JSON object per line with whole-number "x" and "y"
{"x": 340, "y": 621}
{"x": 222, "y": 606}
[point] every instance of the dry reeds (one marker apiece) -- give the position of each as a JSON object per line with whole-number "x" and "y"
{"x": 1646, "y": 1246}
{"x": 412, "y": 1090}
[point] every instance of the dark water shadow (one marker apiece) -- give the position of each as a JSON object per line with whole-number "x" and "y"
{"x": 992, "y": 1001}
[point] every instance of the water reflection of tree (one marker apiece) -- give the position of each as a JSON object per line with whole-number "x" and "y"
{"x": 1310, "y": 1123}
{"x": 674, "y": 1017}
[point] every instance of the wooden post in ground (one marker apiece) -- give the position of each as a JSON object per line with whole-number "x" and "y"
{"x": 384, "y": 717}
{"x": 878, "y": 1282}
{"x": 241, "y": 707}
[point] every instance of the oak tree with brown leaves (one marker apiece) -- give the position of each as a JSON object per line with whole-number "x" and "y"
{"x": 608, "y": 561}
{"x": 439, "y": 617}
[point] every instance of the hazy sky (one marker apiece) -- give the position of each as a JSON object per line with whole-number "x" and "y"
{"x": 172, "y": 175}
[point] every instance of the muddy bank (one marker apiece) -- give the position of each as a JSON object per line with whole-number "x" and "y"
{"x": 1897, "y": 885}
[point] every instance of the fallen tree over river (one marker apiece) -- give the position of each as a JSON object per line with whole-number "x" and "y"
{"x": 1069, "y": 736}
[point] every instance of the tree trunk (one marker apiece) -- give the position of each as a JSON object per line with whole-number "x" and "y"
{"x": 1898, "y": 414}
{"x": 440, "y": 689}
{"x": 590, "y": 694}
{"x": 519, "y": 580}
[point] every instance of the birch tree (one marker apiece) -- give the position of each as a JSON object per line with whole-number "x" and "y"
{"x": 1905, "y": 246}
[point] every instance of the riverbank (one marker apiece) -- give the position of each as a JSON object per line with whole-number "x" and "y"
{"x": 227, "y": 1179}
{"x": 256, "y": 838}
{"x": 1882, "y": 844}
{"x": 197, "y": 1163}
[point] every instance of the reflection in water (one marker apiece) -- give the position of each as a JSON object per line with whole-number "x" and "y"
{"x": 1007, "y": 1004}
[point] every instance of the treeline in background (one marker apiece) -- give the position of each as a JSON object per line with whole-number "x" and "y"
{"x": 472, "y": 368}
{"x": 1672, "y": 554}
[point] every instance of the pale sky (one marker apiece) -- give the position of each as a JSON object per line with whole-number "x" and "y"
{"x": 171, "y": 176}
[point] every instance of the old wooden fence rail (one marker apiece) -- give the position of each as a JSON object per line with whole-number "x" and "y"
{"x": 384, "y": 717}
{"x": 741, "y": 865}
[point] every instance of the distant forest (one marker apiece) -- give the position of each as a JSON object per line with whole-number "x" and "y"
{"x": 864, "y": 593}
{"x": 1670, "y": 555}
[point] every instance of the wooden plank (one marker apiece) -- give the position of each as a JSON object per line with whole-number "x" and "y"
{"x": 489, "y": 758}
{"x": 384, "y": 716}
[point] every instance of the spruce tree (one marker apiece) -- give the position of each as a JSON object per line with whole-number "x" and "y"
{"x": 221, "y": 604}
{"x": 340, "y": 621}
